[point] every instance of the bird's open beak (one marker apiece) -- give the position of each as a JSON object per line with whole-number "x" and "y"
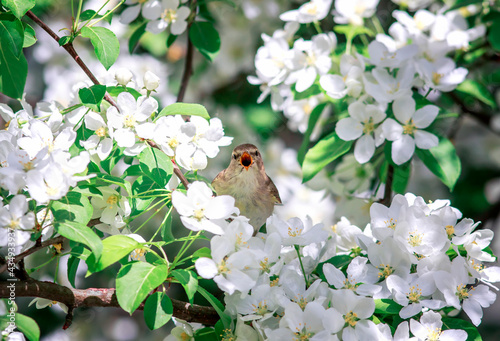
{"x": 246, "y": 160}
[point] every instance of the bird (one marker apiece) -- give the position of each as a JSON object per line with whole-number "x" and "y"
{"x": 245, "y": 179}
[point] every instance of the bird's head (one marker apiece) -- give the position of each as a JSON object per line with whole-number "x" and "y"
{"x": 246, "y": 157}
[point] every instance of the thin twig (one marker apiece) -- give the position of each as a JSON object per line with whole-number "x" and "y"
{"x": 99, "y": 297}
{"x": 386, "y": 200}
{"x": 33, "y": 249}
{"x": 188, "y": 65}
{"x": 72, "y": 52}
{"x": 177, "y": 170}
{"x": 188, "y": 69}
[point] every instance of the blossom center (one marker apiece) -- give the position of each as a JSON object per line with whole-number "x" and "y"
{"x": 385, "y": 271}
{"x": 311, "y": 8}
{"x": 409, "y": 127}
{"x": 462, "y": 292}
{"x": 391, "y": 223}
{"x": 112, "y": 200}
{"x": 173, "y": 142}
{"x": 351, "y": 318}
{"x": 51, "y": 191}
{"x": 415, "y": 239}
{"x": 169, "y": 15}
{"x": 101, "y": 132}
{"x": 261, "y": 308}
{"x": 129, "y": 121}
{"x": 436, "y": 77}
{"x": 368, "y": 126}
{"x": 414, "y": 294}
{"x": 450, "y": 230}
{"x": 434, "y": 334}
{"x": 198, "y": 214}
{"x": 13, "y": 224}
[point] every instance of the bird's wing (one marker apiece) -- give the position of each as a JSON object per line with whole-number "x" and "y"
{"x": 274, "y": 191}
{"x": 218, "y": 179}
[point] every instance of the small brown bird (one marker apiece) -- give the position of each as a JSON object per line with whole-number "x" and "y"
{"x": 245, "y": 179}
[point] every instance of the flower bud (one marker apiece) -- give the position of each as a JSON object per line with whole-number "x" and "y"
{"x": 151, "y": 81}
{"x": 123, "y": 76}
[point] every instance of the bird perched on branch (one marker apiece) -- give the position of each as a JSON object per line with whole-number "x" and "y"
{"x": 245, "y": 179}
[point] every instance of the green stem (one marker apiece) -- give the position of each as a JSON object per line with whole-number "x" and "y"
{"x": 150, "y": 208}
{"x": 184, "y": 248}
{"x": 378, "y": 26}
{"x": 77, "y": 19}
{"x": 107, "y": 13}
{"x": 152, "y": 215}
{"x": 317, "y": 26}
{"x": 163, "y": 222}
{"x": 71, "y": 108}
{"x": 297, "y": 248}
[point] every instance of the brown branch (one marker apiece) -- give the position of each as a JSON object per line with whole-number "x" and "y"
{"x": 33, "y": 249}
{"x": 72, "y": 52}
{"x": 99, "y": 297}
{"x": 188, "y": 69}
{"x": 386, "y": 200}
{"x": 177, "y": 170}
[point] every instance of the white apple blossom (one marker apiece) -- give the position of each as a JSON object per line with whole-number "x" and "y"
{"x": 133, "y": 113}
{"x": 441, "y": 74}
{"x": 151, "y": 81}
{"x": 348, "y": 83}
{"x": 311, "y": 11}
{"x": 165, "y": 13}
{"x": 130, "y": 13}
{"x": 199, "y": 210}
{"x": 385, "y": 88}
{"x": 295, "y": 232}
{"x": 123, "y": 75}
{"x": 430, "y": 328}
{"x": 354, "y": 11}
{"x": 364, "y": 126}
{"x": 15, "y": 217}
{"x": 100, "y": 143}
{"x": 407, "y": 132}
{"x": 309, "y": 59}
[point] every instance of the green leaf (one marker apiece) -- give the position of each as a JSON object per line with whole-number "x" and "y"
{"x": 106, "y": 45}
{"x": 11, "y": 33}
{"x": 158, "y": 310}
{"x": 387, "y": 307}
{"x": 217, "y": 305}
{"x": 166, "y": 229}
{"x": 188, "y": 109}
{"x": 339, "y": 261}
{"x": 462, "y": 3}
{"x": 86, "y": 15}
{"x": 325, "y": 151}
{"x": 171, "y": 39}
{"x": 92, "y": 97}
{"x": 311, "y": 91}
{"x": 73, "y": 207}
{"x": 203, "y": 252}
{"x": 456, "y": 323}
{"x": 114, "y": 248}
{"x": 13, "y": 65}
{"x": 205, "y": 334}
{"x": 135, "y": 281}
{"x": 478, "y": 91}
{"x": 494, "y": 35}
{"x": 28, "y": 327}
{"x": 205, "y": 38}
{"x": 65, "y": 40}
{"x": 19, "y": 7}
{"x": 72, "y": 268}
{"x": 114, "y": 91}
{"x": 401, "y": 177}
{"x": 313, "y": 119}
{"x": 135, "y": 37}
{"x": 82, "y": 234}
{"x": 443, "y": 161}
{"x": 156, "y": 165}
{"x": 353, "y": 30}
{"x": 29, "y": 35}
{"x": 188, "y": 280}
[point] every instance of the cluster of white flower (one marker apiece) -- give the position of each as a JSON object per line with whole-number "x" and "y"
{"x": 413, "y": 55}
{"x": 160, "y": 14}
{"x": 284, "y": 283}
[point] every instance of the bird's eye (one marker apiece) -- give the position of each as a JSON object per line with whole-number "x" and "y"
{"x": 256, "y": 153}
{"x": 234, "y": 156}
